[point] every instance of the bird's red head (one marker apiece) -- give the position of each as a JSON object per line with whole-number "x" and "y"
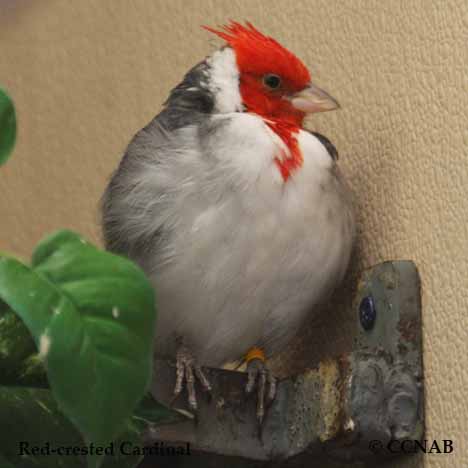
{"x": 270, "y": 75}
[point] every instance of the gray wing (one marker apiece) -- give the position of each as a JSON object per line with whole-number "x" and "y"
{"x": 127, "y": 201}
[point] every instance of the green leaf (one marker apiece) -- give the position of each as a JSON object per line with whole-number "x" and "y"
{"x": 19, "y": 364}
{"x": 149, "y": 411}
{"x": 30, "y": 418}
{"x": 7, "y": 126}
{"x": 92, "y": 317}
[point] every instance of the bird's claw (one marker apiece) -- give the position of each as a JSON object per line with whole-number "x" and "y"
{"x": 258, "y": 373}
{"x": 189, "y": 370}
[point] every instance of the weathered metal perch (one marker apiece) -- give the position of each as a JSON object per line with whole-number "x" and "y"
{"x": 336, "y": 410}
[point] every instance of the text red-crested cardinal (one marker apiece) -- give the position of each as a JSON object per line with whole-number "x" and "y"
{"x": 239, "y": 216}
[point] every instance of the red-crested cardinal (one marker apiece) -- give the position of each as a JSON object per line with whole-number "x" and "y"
{"x": 237, "y": 214}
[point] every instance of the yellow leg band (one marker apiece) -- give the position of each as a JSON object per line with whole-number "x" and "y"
{"x": 254, "y": 353}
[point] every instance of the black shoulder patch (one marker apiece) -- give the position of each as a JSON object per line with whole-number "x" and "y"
{"x": 332, "y": 151}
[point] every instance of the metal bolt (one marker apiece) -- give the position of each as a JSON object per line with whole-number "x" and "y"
{"x": 367, "y": 313}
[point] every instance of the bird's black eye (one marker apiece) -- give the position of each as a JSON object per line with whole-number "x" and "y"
{"x": 272, "y": 81}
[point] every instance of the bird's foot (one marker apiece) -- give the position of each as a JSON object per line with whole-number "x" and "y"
{"x": 188, "y": 370}
{"x": 258, "y": 375}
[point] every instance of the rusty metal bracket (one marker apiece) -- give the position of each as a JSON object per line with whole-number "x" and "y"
{"x": 338, "y": 410}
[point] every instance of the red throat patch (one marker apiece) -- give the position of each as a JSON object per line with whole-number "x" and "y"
{"x": 287, "y": 163}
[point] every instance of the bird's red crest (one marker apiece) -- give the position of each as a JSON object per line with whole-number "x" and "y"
{"x": 257, "y": 54}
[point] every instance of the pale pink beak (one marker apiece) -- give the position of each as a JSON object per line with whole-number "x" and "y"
{"x": 313, "y": 99}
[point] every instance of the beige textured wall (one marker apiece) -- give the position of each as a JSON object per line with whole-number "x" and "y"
{"x": 85, "y": 75}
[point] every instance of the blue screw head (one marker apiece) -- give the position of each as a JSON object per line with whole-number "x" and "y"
{"x": 367, "y": 313}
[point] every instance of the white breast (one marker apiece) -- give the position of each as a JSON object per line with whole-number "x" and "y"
{"x": 249, "y": 254}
